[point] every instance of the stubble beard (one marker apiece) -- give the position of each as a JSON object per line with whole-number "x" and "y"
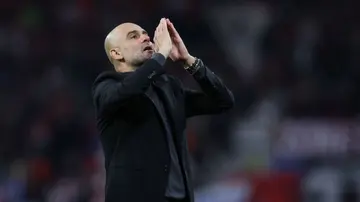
{"x": 141, "y": 59}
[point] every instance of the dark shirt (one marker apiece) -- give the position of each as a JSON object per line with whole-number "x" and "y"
{"x": 175, "y": 187}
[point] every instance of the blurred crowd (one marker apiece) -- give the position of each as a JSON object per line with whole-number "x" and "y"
{"x": 306, "y": 67}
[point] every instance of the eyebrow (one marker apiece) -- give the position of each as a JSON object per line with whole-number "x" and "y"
{"x": 134, "y": 32}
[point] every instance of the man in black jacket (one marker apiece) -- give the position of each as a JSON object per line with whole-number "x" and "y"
{"x": 141, "y": 113}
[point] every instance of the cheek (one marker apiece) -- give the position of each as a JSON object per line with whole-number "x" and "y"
{"x": 128, "y": 52}
{"x": 132, "y": 51}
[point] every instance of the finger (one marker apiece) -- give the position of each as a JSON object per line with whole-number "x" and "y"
{"x": 156, "y": 47}
{"x": 168, "y": 25}
{"x": 171, "y": 25}
{"x": 156, "y": 44}
{"x": 159, "y": 25}
{"x": 166, "y": 29}
{"x": 171, "y": 32}
{"x": 165, "y": 26}
{"x": 172, "y": 28}
{"x": 157, "y": 30}
{"x": 163, "y": 23}
{"x": 156, "y": 35}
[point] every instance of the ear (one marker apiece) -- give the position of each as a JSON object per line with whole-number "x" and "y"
{"x": 116, "y": 54}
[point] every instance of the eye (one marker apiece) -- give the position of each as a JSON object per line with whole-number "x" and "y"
{"x": 133, "y": 36}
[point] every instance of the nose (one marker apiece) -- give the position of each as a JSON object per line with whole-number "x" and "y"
{"x": 145, "y": 38}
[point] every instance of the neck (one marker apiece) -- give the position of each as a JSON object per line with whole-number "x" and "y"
{"x": 124, "y": 68}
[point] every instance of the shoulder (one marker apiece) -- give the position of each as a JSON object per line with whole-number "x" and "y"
{"x": 105, "y": 80}
{"x": 108, "y": 76}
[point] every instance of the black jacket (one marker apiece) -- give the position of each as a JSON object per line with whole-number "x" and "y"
{"x": 132, "y": 134}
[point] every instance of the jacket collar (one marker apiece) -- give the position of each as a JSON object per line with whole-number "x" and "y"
{"x": 111, "y": 75}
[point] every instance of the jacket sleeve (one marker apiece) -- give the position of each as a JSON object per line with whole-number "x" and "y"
{"x": 109, "y": 95}
{"x": 215, "y": 96}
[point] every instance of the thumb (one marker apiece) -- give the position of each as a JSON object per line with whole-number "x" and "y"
{"x": 164, "y": 24}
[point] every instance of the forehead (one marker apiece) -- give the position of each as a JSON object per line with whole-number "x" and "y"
{"x": 128, "y": 28}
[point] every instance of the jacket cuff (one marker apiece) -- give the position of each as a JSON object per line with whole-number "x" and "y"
{"x": 195, "y": 67}
{"x": 158, "y": 57}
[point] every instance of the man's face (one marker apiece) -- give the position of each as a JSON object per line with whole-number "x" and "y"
{"x": 135, "y": 44}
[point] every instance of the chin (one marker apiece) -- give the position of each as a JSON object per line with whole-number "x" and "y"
{"x": 142, "y": 58}
{"x": 148, "y": 57}
{"x": 145, "y": 57}
{"x": 148, "y": 54}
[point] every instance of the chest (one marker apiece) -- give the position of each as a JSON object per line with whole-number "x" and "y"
{"x": 162, "y": 99}
{"x": 167, "y": 99}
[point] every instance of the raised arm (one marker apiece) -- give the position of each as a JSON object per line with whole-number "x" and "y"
{"x": 214, "y": 98}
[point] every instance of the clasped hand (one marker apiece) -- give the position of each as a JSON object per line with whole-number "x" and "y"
{"x": 169, "y": 43}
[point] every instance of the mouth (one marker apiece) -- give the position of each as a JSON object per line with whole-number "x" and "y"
{"x": 148, "y": 48}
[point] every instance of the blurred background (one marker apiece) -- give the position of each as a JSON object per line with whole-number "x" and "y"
{"x": 293, "y": 66}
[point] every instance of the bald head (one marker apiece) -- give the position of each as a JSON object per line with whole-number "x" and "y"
{"x": 112, "y": 40}
{"x": 125, "y": 43}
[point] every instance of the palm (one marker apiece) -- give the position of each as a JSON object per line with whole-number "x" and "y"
{"x": 179, "y": 51}
{"x": 174, "y": 53}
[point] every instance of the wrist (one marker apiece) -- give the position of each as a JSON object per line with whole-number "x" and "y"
{"x": 159, "y": 58}
{"x": 164, "y": 53}
{"x": 189, "y": 61}
{"x": 196, "y": 64}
